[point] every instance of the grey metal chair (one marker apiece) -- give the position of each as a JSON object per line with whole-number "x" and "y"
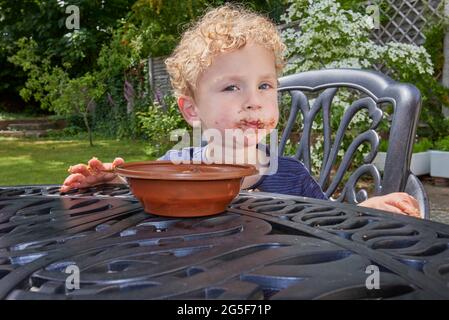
{"x": 376, "y": 89}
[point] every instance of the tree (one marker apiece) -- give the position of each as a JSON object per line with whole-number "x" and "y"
{"x": 161, "y": 22}
{"x": 79, "y": 97}
{"x": 53, "y": 87}
{"x": 44, "y": 22}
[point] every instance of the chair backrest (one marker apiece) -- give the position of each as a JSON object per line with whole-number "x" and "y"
{"x": 376, "y": 89}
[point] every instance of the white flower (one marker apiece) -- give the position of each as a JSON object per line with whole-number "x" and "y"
{"x": 327, "y": 36}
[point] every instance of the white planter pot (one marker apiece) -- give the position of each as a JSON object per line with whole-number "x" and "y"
{"x": 439, "y": 164}
{"x": 420, "y": 163}
{"x": 379, "y": 161}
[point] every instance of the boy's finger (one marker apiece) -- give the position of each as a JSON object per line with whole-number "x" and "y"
{"x": 391, "y": 208}
{"x": 117, "y": 162}
{"x": 73, "y": 181}
{"x": 95, "y": 165}
{"x": 414, "y": 202}
{"x": 74, "y": 178}
{"x": 408, "y": 198}
{"x": 79, "y": 168}
{"x": 65, "y": 188}
{"x": 397, "y": 208}
{"x": 107, "y": 177}
{"x": 100, "y": 178}
{"x": 408, "y": 208}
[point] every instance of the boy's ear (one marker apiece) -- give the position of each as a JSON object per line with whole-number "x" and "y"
{"x": 188, "y": 109}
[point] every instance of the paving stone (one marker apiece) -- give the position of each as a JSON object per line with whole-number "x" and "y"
{"x": 439, "y": 201}
{"x": 33, "y": 126}
{"x": 22, "y": 134}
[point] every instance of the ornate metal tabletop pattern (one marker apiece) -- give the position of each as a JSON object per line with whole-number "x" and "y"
{"x": 265, "y": 246}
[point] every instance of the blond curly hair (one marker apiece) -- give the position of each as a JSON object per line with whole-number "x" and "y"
{"x": 223, "y": 29}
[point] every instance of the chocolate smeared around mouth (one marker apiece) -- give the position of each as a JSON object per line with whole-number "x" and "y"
{"x": 256, "y": 124}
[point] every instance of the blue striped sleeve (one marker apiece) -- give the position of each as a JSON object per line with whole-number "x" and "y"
{"x": 292, "y": 178}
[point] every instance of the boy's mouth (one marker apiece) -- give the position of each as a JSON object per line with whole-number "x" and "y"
{"x": 255, "y": 124}
{"x": 252, "y": 124}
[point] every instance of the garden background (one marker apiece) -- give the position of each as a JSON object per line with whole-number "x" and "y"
{"x": 104, "y": 78}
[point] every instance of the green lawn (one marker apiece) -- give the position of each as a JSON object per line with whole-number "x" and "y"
{"x": 30, "y": 161}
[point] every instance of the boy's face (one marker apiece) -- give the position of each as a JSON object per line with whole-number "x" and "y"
{"x": 237, "y": 91}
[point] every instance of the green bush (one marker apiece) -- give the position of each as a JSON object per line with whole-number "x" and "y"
{"x": 383, "y": 145}
{"x": 442, "y": 144}
{"x": 422, "y": 145}
{"x": 158, "y": 122}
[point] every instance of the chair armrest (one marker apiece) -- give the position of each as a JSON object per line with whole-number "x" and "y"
{"x": 415, "y": 188}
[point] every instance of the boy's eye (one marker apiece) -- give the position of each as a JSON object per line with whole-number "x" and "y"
{"x": 265, "y": 86}
{"x": 231, "y": 88}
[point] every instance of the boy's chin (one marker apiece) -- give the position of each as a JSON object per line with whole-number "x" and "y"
{"x": 251, "y": 140}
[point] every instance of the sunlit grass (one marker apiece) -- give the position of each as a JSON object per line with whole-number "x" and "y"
{"x": 30, "y": 161}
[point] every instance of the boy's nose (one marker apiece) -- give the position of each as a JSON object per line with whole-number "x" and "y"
{"x": 253, "y": 102}
{"x": 253, "y": 107}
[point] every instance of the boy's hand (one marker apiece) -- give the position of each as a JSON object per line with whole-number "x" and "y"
{"x": 399, "y": 202}
{"x": 83, "y": 176}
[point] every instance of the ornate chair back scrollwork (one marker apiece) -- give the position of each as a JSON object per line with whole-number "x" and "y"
{"x": 376, "y": 90}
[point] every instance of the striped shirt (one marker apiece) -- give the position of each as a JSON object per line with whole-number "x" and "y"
{"x": 291, "y": 177}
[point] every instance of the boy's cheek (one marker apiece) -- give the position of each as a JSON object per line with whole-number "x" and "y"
{"x": 271, "y": 124}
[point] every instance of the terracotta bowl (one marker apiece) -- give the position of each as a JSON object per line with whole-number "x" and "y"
{"x": 184, "y": 190}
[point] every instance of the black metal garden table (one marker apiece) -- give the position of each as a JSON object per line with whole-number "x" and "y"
{"x": 266, "y": 246}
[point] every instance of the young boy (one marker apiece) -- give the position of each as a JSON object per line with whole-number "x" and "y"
{"x": 224, "y": 74}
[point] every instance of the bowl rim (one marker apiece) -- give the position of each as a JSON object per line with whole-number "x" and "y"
{"x": 242, "y": 170}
